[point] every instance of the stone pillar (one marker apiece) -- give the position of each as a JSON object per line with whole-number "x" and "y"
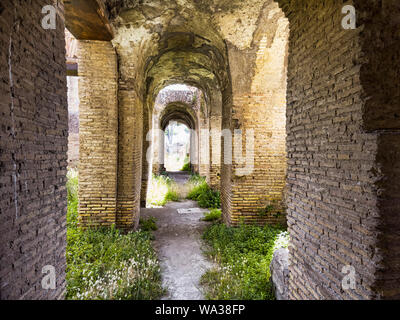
{"x": 146, "y": 165}
{"x": 98, "y": 129}
{"x": 129, "y": 158}
{"x": 33, "y": 151}
{"x": 204, "y": 149}
{"x": 215, "y": 151}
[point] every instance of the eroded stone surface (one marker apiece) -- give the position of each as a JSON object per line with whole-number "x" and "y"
{"x": 280, "y": 273}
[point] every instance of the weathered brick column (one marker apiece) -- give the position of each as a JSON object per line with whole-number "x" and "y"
{"x": 98, "y": 128}
{"x": 130, "y": 158}
{"x": 215, "y": 151}
{"x": 259, "y": 107}
{"x": 342, "y": 151}
{"x": 33, "y": 151}
{"x": 130, "y": 137}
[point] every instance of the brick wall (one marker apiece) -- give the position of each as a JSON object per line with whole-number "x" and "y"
{"x": 215, "y": 151}
{"x": 340, "y": 159}
{"x": 33, "y": 151}
{"x": 98, "y": 129}
{"x": 330, "y": 194}
{"x": 379, "y": 77}
{"x": 130, "y": 138}
{"x": 129, "y": 158}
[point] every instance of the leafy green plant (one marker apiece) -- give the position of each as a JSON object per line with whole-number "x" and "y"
{"x": 213, "y": 215}
{"x": 243, "y": 256}
{"x": 209, "y": 199}
{"x": 203, "y": 194}
{"x": 149, "y": 224}
{"x": 196, "y": 179}
{"x": 105, "y": 264}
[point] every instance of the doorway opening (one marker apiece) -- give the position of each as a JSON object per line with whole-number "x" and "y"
{"x": 177, "y": 147}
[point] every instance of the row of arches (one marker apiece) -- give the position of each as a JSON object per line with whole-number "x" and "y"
{"x": 298, "y": 88}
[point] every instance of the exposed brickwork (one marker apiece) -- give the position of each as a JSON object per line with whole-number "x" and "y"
{"x": 130, "y": 159}
{"x": 215, "y": 151}
{"x": 340, "y": 156}
{"x": 98, "y": 132}
{"x": 388, "y": 160}
{"x": 259, "y": 105}
{"x": 130, "y": 140}
{"x": 330, "y": 196}
{"x": 33, "y": 151}
{"x": 379, "y": 77}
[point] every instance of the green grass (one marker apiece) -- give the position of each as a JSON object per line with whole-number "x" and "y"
{"x": 162, "y": 190}
{"x": 104, "y": 264}
{"x": 213, "y": 215}
{"x": 148, "y": 224}
{"x": 203, "y": 194}
{"x": 186, "y": 167}
{"x": 171, "y": 196}
{"x": 243, "y": 256}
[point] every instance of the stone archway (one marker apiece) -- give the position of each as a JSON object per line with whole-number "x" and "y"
{"x": 185, "y": 115}
{"x": 332, "y": 172}
{"x": 174, "y": 102}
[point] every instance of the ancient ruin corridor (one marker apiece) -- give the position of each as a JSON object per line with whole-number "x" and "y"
{"x": 283, "y": 114}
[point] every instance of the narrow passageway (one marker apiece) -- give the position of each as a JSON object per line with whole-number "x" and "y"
{"x": 179, "y": 245}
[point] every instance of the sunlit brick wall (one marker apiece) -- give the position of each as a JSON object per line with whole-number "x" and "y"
{"x": 98, "y": 130}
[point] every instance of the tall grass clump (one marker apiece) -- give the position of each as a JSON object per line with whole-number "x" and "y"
{"x": 104, "y": 264}
{"x": 162, "y": 190}
{"x": 243, "y": 256}
{"x": 72, "y": 192}
{"x": 203, "y": 194}
{"x": 213, "y": 215}
{"x": 186, "y": 166}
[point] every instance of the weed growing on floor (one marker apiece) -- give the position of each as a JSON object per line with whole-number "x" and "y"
{"x": 106, "y": 264}
{"x": 186, "y": 167}
{"x": 213, "y": 215}
{"x": 148, "y": 224}
{"x": 203, "y": 194}
{"x": 243, "y": 256}
{"x": 162, "y": 190}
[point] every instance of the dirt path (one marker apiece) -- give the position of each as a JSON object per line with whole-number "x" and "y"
{"x": 179, "y": 246}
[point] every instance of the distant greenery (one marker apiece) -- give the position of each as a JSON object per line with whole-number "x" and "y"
{"x": 213, "y": 215}
{"x": 162, "y": 190}
{"x": 104, "y": 264}
{"x": 148, "y": 224}
{"x": 203, "y": 194}
{"x": 243, "y": 256}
